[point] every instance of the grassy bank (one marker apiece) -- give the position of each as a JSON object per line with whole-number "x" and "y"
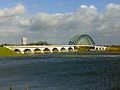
{"x": 113, "y": 49}
{"x": 6, "y": 52}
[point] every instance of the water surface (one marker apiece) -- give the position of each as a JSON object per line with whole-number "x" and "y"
{"x": 65, "y": 71}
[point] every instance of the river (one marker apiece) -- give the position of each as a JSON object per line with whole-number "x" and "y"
{"x": 65, "y": 71}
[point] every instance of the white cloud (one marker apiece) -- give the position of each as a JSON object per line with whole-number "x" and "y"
{"x": 9, "y": 16}
{"x": 104, "y": 27}
{"x": 11, "y": 22}
{"x": 86, "y": 19}
{"x": 62, "y": 26}
{"x": 64, "y": 21}
{"x": 9, "y": 12}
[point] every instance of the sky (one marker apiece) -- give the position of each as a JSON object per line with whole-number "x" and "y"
{"x": 57, "y": 21}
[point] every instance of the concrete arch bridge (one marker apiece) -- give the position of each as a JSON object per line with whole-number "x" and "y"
{"x": 42, "y": 49}
{"x": 50, "y": 48}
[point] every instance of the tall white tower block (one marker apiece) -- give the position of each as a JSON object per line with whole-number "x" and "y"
{"x": 24, "y": 41}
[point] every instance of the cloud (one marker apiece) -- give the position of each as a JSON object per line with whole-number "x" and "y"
{"x": 59, "y": 28}
{"x": 11, "y": 16}
{"x": 108, "y": 23}
{"x": 64, "y": 21}
{"x": 12, "y": 24}
{"x": 63, "y": 26}
{"x": 9, "y": 12}
{"x": 85, "y": 19}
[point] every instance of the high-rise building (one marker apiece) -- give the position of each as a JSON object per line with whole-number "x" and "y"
{"x": 24, "y": 41}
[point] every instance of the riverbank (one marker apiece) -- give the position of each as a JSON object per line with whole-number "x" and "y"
{"x": 77, "y": 55}
{"x": 113, "y": 48}
{"x": 6, "y": 52}
{"x": 82, "y": 51}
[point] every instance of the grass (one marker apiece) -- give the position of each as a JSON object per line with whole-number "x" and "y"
{"x": 6, "y": 52}
{"x": 113, "y": 49}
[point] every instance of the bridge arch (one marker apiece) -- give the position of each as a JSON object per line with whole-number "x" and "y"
{"x": 17, "y": 51}
{"x": 81, "y": 40}
{"x": 55, "y": 50}
{"x": 37, "y": 51}
{"x": 27, "y": 51}
{"x": 63, "y": 49}
{"x": 70, "y": 49}
{"x": 46, "y": 50}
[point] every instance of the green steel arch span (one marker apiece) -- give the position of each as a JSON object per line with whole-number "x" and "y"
{"x": 81, "y": 40}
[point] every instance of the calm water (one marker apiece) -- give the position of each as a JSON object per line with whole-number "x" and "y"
{"x": 59, "y": 72}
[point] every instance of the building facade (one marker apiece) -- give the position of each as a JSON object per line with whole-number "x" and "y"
{"x": 23, "y": 41}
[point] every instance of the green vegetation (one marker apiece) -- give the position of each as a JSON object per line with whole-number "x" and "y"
{"x": 82, "y": 48}
{"x": 113, "y": 49}
{"x": 39, "y": 43}
{"x": 108, "y": 49}
{"x": 6, "y": 52}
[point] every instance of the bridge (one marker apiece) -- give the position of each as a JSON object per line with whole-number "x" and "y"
{"x": 37, "y": 49}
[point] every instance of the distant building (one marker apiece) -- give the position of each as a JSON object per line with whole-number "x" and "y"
{"x": 24, "y": 41}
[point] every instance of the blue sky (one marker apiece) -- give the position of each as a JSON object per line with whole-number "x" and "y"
{"x": 57, "y": 21}
{"x": 53, "y": 6}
